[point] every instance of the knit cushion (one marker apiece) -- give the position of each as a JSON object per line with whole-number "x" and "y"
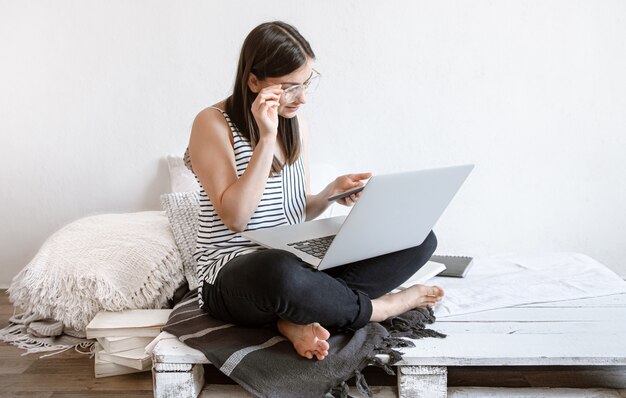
{"x": 109, "y": 262}
{"x": 182, "y": 210}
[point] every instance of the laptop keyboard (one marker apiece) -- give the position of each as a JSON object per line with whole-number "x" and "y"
{"x": 315, "y": 247}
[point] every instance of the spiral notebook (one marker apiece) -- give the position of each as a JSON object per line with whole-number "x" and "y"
{"x": 456, "y": 266}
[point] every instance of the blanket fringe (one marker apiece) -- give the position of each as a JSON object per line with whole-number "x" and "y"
{"x": 89, "y": 345}
{"x": 361, "y": 384}
{"x": 340, "y": 391}
{"x": 14, "y": 334}
{"x": 401, "y": 328}
{"x": 380, "y": 364}
{"x": 413, "y": 326}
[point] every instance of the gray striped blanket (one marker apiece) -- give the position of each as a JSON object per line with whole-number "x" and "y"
{"x": 265, "y": 363}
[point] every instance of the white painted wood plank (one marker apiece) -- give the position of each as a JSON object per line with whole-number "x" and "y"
{"x": 174, "y": 351}
{"x": 177, "y": 380}
{"x": 520, "y": 314}
{"x": 422, "y": 382}
{"x": 483, "y": 392}
{"x": 615, "y": 300}
{"x": 589, "y": 328}
{"x": 518, "y": 349}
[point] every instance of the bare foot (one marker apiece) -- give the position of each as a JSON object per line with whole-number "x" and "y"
{"x": 398, "y": 303}
{"x": 308, "y": 340}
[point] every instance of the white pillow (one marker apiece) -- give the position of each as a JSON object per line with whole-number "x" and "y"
{"x": 109, "y": 262}
{"x": 181, "y": 178}
{"x": 182, "y": 210}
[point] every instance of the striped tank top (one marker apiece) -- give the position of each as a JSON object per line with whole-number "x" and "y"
{"x": 283, "y": 202}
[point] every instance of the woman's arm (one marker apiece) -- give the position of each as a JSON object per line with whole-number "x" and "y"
{"x": 317, "y": 204}
{"x": 235, "y": 198}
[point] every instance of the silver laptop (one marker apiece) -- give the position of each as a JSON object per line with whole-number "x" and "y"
{"x": 394, "y": 212}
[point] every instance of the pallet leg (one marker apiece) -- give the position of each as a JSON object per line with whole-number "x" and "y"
{"x": 422, "y": 381}
{"x": 177, "y": 380}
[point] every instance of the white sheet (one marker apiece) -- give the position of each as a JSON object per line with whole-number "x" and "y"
{"x": 510, "y": 280}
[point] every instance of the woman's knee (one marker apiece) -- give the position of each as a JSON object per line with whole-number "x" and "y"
{"x": 285, "y": 272}
{"x": 263, "y": 278}
{"x": 253, "y": 270}
{"x": 273, "y": 269}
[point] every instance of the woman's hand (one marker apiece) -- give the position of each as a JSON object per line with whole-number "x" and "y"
{"x": 265, "y": 110}
{"x": 346, "y": 182}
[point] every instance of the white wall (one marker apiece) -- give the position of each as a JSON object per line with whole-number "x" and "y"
{"x": 93, "y": 94}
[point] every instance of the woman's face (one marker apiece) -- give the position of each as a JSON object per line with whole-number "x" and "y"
{"x": 289, "y": 109}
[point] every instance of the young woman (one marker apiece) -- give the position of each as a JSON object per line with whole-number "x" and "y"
{"x": 249, "y": 154}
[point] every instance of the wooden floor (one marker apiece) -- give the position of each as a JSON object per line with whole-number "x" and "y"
{"x": 70, "y": 374}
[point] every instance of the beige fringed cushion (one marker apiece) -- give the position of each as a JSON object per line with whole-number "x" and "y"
{"x": 107, "y": 262}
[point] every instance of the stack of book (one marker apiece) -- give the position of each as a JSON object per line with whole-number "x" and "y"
{"x": 122, "y": 338}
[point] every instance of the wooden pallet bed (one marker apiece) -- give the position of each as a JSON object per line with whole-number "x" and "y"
{"x": 585, "y": 332}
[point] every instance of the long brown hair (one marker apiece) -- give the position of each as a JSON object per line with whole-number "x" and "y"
{"x": 272, "y": 49}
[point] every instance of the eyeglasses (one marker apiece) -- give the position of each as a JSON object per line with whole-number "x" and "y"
{"x": 290, "y": 94}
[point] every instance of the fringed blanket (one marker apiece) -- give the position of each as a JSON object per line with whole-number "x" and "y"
{"x": 266, "y": 364}
{"x": 106, "y": 262}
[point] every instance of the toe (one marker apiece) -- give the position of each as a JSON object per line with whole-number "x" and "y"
{"x": 435, "y": 291}
{"x": 320, "y": 332}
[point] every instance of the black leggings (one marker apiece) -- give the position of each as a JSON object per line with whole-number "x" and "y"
{"x": 259, "y": 288}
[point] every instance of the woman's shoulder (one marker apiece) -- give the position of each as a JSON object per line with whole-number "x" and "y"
{"x": 213, "y": 112}
{"x": 212, "y": 116}
{"x": 210, "y": 122}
